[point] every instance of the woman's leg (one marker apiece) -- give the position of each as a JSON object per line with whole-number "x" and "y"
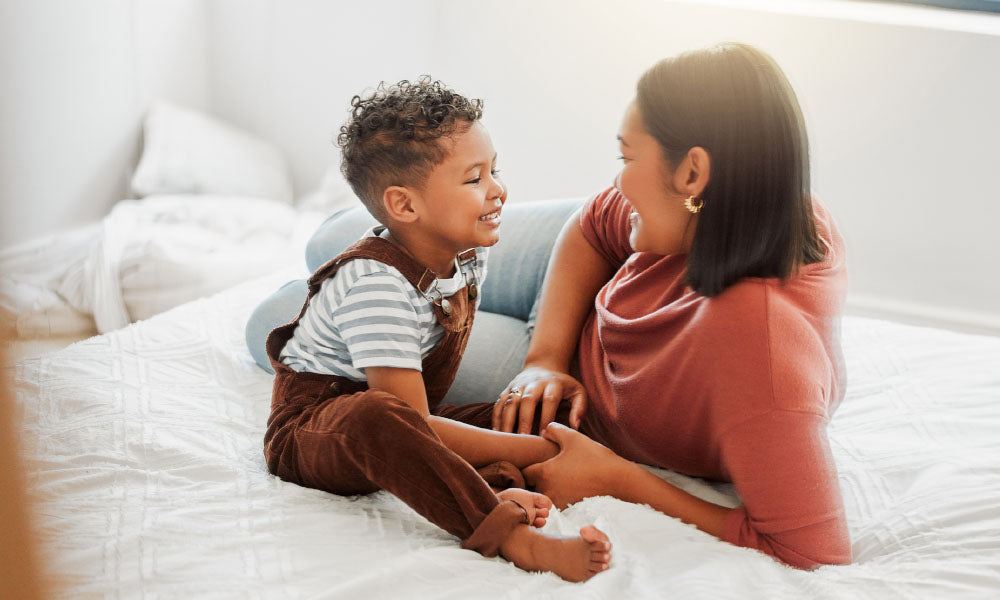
{"x": 338, "y": 231}
{"x": 493, "y": 356}
{"x": 500, "y": 336}
{"x": 276, "y": 310}
{"x": 502, "y": 330}
{"x": 517, "y": 263}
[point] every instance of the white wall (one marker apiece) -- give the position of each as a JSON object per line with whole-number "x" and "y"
{"x": 76, "y": 78}
{"x": 287, "y": 70}
{"x": 901, "y": 105}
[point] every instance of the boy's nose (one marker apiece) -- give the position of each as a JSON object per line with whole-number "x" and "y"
{"x": 499, "y": 191}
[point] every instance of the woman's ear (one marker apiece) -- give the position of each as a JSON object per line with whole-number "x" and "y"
{"x": 398, "y": 202}
{"x": 692, "y": 175}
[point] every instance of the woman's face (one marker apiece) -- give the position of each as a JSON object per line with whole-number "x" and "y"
{"x": 660, "y": 223}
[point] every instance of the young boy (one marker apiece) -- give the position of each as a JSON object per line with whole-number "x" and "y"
{"x": 361, "y": 372}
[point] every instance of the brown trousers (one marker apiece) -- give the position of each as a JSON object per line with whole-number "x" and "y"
{"x": 334, "y": 434}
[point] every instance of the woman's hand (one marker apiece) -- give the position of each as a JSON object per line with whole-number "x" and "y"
{"x": 516, "y": 405}
{"x": 583, "y": 468}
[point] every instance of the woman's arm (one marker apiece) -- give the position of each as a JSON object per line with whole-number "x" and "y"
{"x": 635, "y": 484}
{"x": 784, "y": 472}
{"x": 585, "y": 468}
{"x": 782, "y": 469}
{"x": 574, "y": 276}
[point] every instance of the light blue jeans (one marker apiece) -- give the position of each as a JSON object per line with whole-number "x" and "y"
{"x": 499, "y": 339}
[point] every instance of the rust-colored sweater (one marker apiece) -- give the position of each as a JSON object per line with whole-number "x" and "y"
{"x": 738, "y": 387}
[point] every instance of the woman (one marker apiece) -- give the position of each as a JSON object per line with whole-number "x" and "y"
{"x": 712, "y": 345}
{"x": 688, "y": 318}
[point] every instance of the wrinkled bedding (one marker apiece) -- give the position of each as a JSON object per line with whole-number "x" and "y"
{"x": 143, "y": 451}
{"x": 145, "y": 257}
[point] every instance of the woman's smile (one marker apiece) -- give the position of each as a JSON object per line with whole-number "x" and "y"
{"x": 635, "y": 221}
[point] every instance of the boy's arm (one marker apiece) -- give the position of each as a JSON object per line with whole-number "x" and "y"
{"x": 478, "y": 446}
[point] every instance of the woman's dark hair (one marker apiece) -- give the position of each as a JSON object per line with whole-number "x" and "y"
{"x": 393, "y": 136}
{"x": 734, "y": 101}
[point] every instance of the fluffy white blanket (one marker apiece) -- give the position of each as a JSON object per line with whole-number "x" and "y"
{"x": 144, "y": 457}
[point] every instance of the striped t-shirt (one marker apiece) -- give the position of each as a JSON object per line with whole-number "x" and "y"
{"x": 369, "y": 315}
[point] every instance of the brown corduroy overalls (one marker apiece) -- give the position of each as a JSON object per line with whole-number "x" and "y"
{"x": 334, "y": 434}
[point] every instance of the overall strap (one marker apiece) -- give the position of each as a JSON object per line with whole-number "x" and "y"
{"x": 384, "y": 251}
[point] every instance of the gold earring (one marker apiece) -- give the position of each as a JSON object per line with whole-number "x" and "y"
{"x": 689, "y": 203}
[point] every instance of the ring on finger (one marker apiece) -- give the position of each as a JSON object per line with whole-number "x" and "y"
{"x": 515, "y": 390}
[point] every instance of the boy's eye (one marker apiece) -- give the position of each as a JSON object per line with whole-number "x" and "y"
{"x": 493, "y": 172}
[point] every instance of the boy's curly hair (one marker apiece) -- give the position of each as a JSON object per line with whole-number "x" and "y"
{"x": 392, "y": 136}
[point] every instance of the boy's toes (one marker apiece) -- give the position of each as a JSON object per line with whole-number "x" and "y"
{"x": 542, "y": 501}
{"x": 597, "y": 567}
{"x": 600, "y": 548}
{"x": 593, "y": 535}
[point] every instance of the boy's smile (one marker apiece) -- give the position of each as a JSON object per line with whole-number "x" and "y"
{"x": 491, "y": 218}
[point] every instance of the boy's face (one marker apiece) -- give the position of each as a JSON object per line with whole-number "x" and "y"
{"x": 462, "y": 196}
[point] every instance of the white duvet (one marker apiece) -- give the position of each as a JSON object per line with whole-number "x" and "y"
{"x": 145, "y": 257}
{"x": 143, "y": 449}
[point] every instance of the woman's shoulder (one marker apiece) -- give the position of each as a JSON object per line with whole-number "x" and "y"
{"x": 835, "y": 259}
{"x": 608, "y": 205}
{"x": 815, "y": 290}
{"x": 604, "y": 220}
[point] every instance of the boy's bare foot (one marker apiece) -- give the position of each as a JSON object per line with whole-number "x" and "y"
{"x": 537, "y": 505}
{"x": 573, "y": 559}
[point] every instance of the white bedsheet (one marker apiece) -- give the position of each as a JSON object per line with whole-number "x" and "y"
{"x": 144, "y": 457}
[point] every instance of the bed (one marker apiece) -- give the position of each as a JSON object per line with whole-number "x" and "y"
{"x": 143, "y": 453}
{"x": 211, "y": 206}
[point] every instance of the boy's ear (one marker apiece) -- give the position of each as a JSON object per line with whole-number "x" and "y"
{"x": 398, "y": 202}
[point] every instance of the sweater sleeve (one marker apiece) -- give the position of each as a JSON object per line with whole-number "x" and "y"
{"x": 605, "y": 224}
{"x": 782, "y": 467}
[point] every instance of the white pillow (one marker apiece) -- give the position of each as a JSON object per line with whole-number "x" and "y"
{"x": 188, "y": 152}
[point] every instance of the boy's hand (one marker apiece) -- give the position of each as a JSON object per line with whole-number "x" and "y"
{"x": 516, "y": 405}
{"x": 536, "y": 505}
